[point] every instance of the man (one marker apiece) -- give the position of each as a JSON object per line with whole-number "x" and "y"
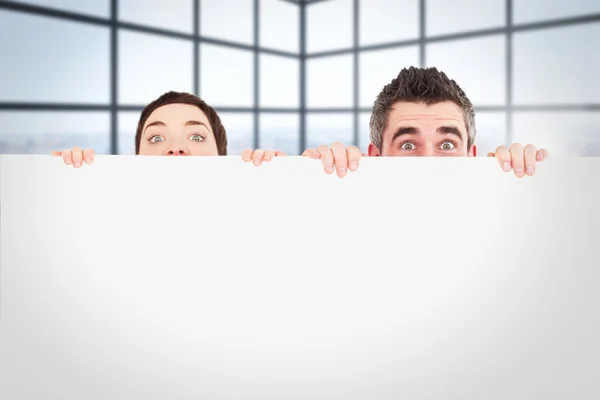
{"x": 420, "y": 113}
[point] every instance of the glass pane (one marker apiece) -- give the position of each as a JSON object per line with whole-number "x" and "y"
{"x": 127, "y": 125}
{"x": 280, "y": 132}
{"x": 329, "y": 25}
{"x": 177, "y": 15}
{"x": 562, "y": 133}
{"x": 378, "y": 68}
{"x": 240, "y": 131}
{"x": 97, "y": 8}
{"x": 34, "y": 132}
{"x": 384, "y": 21}
{"x": 279, "y": 81}
{"x": 279, "y": 25}
{"x": 364, "y": 132}
{"x": 491, "y": 131}
{"x": 464, "y": 15}
{"x": 539, "y": 10}
{"x": 329, "y": 128}
{"x": 231, "y": 20}
{"x": 150, "y": 65}
{"x": 226, "y": 76}
{"x": 557, "y": 66}
{"x": 52, "y": 60}
{"x": 484, "y": 81}
{"x": 330, "y": 81}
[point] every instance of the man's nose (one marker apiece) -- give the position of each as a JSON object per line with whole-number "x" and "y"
{"x": 176, "y": 152}
{"x": 427, "y": 152}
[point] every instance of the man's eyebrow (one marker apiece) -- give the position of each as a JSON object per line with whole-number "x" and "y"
{"x": 155, "y": 123}
{"x": 192, "y": 123}
{"x": 449, "y": 130}
{"x": 409, "y": 130}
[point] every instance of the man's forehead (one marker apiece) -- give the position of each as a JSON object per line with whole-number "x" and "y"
{"x": 443, "y": 111}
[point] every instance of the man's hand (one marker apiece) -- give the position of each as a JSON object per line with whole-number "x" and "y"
{"x": 258, "y": 156}
{"x": 521, "y": 160}
{"x": 76, "y": 156}
{"x": 337, "y": 157}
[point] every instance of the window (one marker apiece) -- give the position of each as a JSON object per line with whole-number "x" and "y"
{"x": 240, "y": 131}
{"x": 42, "y": 132}
{"x": 279, "y": 81}
{"x": 150, "y": 65}
{"x": 378, "y": 68}
{"x": 491, "y": 131}
{"x": 556, "y": 66}
{"x": 483, "y": 80}
{"x": 563, "y": 134}
{"x": 329, "y": 25}
{"x": 96, "y": 8}
{"x": 280, "y": 132}
{"x": 230, "y": 20}
{"x": 541, "y": 10}
{"x": 172, "y": 15}
{"x": 127, "y": 125}
{"x": 226, "y": 76}
{"x": 464, "y": 15}
{"x": 53, "y": 60}
{"x": 330, "y": 81}
{"x": 279, "y": 25}
{"x": 383, "y": 21}
{"x": 329, "y": 128}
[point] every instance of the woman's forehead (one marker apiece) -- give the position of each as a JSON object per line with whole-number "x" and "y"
{"x": 177, "y": 114}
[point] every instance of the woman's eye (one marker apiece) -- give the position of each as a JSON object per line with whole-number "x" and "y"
{"x": 447, "y": 146}
{"x": 197, "y": 138}
{"x": 156, "y": 139}
{"x": 408, "y": 146}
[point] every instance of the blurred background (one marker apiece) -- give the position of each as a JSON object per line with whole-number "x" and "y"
{"x": 288, "y": 74}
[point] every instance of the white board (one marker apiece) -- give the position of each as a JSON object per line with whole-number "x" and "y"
{"x": 188, "y": 278}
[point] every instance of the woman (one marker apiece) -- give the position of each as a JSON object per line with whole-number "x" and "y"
{"x": 175, "y": 124}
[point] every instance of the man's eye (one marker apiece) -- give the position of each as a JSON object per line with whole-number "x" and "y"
{"x": 408, "y": 146}
{"x": 447, "y": 146}
{"x": 197, "y": 138}
{"x": 155, "y": 139}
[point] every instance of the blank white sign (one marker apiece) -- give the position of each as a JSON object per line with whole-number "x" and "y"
{"x": 209, "y": 278}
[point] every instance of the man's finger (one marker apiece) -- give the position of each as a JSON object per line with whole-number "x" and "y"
{"x": 503, "y": 156}
{"x": 66, "y": 156}
{"x": 90, "y": 156}
{"x": 77, "y": 157}
{"x": 354, "y": 156}
{"x": 56, "y": 153}
{"x": 542, "y": 154}
{"x": 269, "y": 154}
{"x": 326, "y": 157}
{"x": 518, "y": 159}
{"x": 530, "y": 154}
{"x": 340, "y": 159}
{"x": 312, "y": 153}
{"x": 258, "y": 157}
{"x": 280, "y": 153}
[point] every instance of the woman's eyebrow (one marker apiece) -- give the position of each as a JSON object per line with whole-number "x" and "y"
{"x": 155, "y": 123}
{"x": 192, "y": 123}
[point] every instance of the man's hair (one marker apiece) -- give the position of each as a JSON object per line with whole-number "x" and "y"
{"x": 416, "y": 85}
{"x": 184, "y": 98}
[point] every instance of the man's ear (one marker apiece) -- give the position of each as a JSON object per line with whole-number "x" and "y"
{"x": 473, "y": 151}
{"x": 373, "y": 151}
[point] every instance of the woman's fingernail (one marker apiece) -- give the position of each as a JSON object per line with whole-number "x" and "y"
{"x": 530, "y": 171}
{"x": 506, "y": 167}
{"x": 353, "y": 165}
